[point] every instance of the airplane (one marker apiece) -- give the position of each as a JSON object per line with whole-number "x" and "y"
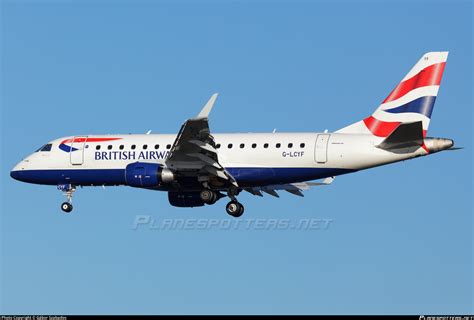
{"x": 198, "y": 168}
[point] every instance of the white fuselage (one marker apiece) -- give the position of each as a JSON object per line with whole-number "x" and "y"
{"x": 252, "y": 158}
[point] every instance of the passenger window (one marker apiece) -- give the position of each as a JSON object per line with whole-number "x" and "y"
{"x": 254, "y": 145}
{"x": 97, "y": 147}
{"x": 290, "y": 145}
{"x": 301, "y": 145}
{"x": 242, "y": 146}
{"x": 145, "y": 147}
{"x": 133, "y": 147}
{"x": 218, "y": 146}
{"x": 121, "y": 147}
{"x": 278, "y": 145}
{"x": 265, "y": 145}
{"x": 109, "y": 147}
{"x": 168, "y": 146}
{"x": 229, "y": 146}
{"x": 157, "y": 146}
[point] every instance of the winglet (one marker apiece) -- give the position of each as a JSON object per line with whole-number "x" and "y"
{"x": 207, "y": 108}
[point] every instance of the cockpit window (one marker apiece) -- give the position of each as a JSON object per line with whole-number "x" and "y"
{"x": 46, "y": 147}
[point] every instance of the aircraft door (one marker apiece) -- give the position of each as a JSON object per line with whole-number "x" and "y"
{"x": 321, "y": 148}
{"x": 77, "y": 150}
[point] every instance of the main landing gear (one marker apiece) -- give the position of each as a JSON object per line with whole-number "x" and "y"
{"x": 233, "y": 208}
{"x": 208, "y": 196}
{"x": 68, "y": 190}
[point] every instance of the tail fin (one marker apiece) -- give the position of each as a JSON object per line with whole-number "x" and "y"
{"x": 412, "y": 99}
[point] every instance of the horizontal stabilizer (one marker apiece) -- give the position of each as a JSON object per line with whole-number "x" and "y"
{"x": 406, "y": 135}
{"x": 325, "y": 182}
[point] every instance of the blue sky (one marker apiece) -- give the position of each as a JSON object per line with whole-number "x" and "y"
{"x": 400, "y": 238}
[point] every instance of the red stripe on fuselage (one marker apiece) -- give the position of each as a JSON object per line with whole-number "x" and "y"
{"x": 79, "y": 140}
{"x": 430, "y": 76}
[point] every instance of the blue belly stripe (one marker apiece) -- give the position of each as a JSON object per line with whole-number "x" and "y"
{"x": 72, "y": 176}
{"x": 244, "y": 176}
{"x": 265, "y": 176}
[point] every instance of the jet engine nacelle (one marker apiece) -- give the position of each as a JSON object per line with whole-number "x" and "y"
{"x": 185, "y": 199}
{"x": 147, "y": 175}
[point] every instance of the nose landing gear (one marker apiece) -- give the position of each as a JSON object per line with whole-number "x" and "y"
{"x": 66, "y": 207}
{"x": 68, "y": 190}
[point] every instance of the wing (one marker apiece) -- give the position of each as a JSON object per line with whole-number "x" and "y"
{"x": 293, "y": 188}
{"x": 194, "y": 151}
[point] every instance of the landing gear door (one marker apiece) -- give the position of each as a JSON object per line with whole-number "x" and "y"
{"x": 77, "y": 150}
{"x": 321, "y": 149}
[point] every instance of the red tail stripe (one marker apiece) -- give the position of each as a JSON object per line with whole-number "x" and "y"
{"x": 380, "y": 128}
{"x": 430, "y": 76}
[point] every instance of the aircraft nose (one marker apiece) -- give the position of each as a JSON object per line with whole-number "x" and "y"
{"x": 17, "y": 173}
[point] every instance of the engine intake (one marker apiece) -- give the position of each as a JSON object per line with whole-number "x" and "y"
{"x": 147, "y": 175}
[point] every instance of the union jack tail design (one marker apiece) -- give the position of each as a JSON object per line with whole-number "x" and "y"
{"x": 412, "y": 99}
